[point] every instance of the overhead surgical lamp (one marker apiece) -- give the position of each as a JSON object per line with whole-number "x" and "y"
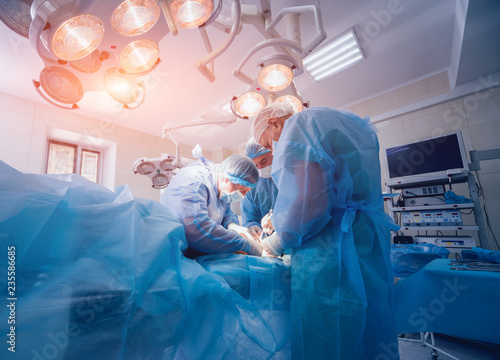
{"x": 16, "y": 15}
{"x": 189, "y": 14}
{"x": 159, "y": 170}
{"x": 59, "y": 84}
{"x": 249, "y": 104}
{"x": 139, "y": 56}
{"x": 277, "y": 72}
{"x": 135, "y": 17}
{"x": 297, "y": 104}
{"x": 123, "y": 88}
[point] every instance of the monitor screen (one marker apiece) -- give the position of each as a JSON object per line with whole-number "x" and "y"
{"x": 433, "y": 156}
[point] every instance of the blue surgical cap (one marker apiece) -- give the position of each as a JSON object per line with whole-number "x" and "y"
{"x": 240, "y": 170}
{"x": 253, "y": 149}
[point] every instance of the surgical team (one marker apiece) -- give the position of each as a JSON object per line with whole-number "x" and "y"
{"x": 308, "y": 185}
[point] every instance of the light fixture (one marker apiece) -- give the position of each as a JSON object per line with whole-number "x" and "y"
{"x": 139, "y": 56}
{"x": 250, "y": 103}
{"x": 89, "y": 63}
{"x": 60, "y": 84}
{"x": 122, "y": 88}
{"x": 338, "y": 55}
{"x": 296, "y": 102}
{"x": 135, "y": 17}
{"x": 77, "y": 37}
{"x": 277, "y": 72}
{"x": 275, "y": 77}
{"x": 16, "y": 15}
{"x": 160, "y": 170}
{"x": 191, "y": 13}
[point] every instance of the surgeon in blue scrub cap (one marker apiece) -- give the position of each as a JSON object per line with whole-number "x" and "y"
{"x": 260, "y": 200}
{"x": 200, "y": 196}
{"x": 329, "y": 211}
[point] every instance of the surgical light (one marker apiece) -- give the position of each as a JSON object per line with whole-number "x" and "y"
{"x": 89, "y": 63}
{"x": 339, "y": 55}
{"x": 61, "y": 84}
{"x": 77, "y": 37}
{"x": 135, "y": 17}
{"x": 250, "y": 103}
{"x": 139, "y": 56}
{"x": 296, "y": 103}
{"x": 275, "y": 77}
{"x": 16, "y": 15}
{"x": 145, "y": 168}
{"x": 191, "y": 13}
{"x": 122, "y": 88}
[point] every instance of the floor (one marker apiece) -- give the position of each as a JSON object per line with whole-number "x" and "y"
{"x": 459, "y": 348}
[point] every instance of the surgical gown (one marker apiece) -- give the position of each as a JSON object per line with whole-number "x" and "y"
{"x": 329, "y": 209}
{"x": 193, "y": 198}
{"x": 258, "y": 202}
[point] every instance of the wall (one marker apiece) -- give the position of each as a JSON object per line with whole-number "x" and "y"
{"x": 25, "y": 124}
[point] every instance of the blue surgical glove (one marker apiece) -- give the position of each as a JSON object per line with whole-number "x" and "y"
{"x": 272, "y": 246}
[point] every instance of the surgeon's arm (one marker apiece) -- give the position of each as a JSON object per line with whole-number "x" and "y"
{"x": 303, "y": 207}
{"x": 203, "y": 233}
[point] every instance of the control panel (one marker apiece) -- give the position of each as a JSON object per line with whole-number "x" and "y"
{"x": 432, "y": 218}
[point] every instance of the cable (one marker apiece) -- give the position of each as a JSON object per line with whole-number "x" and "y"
{"x": 480, "y": 191}
{"x": 470, "y": 212}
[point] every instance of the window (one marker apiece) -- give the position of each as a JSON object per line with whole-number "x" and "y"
{"x": 66, "y": 158}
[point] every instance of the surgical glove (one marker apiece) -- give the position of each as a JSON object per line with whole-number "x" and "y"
{"x": 255, "y": 231}
{"x": 243, "y": 231}
{"x": 255, "y": 248}
{"x": 266, "y": 223}
{"x": 272, "y": 246}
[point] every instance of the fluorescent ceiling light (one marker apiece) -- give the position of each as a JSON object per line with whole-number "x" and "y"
{"x": 338, "y": 55}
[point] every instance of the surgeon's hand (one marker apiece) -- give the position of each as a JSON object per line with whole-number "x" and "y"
{"x": 266, "y": 223}
{"x": 255, "y": 231}
{"x": 255, "y": 248}
{"x": 243, "y": 231}
{"x": 272, "y": 246}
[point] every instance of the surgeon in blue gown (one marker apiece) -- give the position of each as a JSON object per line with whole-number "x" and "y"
{"x": 199, "y": 196}
{"x": 329, "y": 211}
{"x": 260, "y": 200}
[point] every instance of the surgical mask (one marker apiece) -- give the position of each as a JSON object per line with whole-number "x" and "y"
{"x": 232, "y": 197}
{"x": 265, "y": 172}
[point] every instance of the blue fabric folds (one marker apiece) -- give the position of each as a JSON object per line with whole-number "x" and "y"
{"x": 101, "y": 275}
{"x": 407, "y": 259}
{"x": 481, "y": 254}
{"x": 258, "y": 202}
{"x": 329, "y": 211}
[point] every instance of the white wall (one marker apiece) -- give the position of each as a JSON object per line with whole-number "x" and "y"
{"x": 25, "y": 126}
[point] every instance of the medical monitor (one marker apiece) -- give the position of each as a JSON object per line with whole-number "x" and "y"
{"x": 427, "y": 161}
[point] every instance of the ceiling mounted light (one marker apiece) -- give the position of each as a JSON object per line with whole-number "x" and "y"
{"x": 275, "y": 77}
{"x": 135, "y": 17}
{"x": 122, "y": 88}
{"x": 296, "y": 102}
{"x": 77, "y": 37}
{"x": 139, "y": 56}
{"x": 191, "y": 13}
{"x": 16, "y": 15}
{"x": 88, "y": 64}
{"x": 167, "y": 164}
{"x": 250, "y": 103}
{"x": 61, "y": 84}
{"x": 160, "y": 181}
{"x": 144, "y": 167}
{"x": 340, "y": 54}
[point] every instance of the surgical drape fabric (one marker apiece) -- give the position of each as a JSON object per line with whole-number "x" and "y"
{"x": 258, "y": 202}
{"x": 193, "y": 199}
{"x": 329, "y": 209}
{"x": 101, "y": 275}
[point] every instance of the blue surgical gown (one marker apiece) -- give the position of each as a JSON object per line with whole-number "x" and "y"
{"x": 329, "y": 209}
{"x": 258, "y": 202}
{"x": 193, "y": 198}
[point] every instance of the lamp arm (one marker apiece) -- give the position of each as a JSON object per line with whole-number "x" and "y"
{"x": 201, "y": 65}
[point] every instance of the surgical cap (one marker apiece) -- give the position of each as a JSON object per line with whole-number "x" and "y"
{"x": 240, "y": 170}
{"x": 274, "y": 110}
{"x": 254, "y": 149}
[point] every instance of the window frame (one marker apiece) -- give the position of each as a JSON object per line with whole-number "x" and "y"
{"x": 77, "y": 164}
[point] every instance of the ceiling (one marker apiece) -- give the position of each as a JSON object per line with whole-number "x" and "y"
{"x": 403, "y": 41}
